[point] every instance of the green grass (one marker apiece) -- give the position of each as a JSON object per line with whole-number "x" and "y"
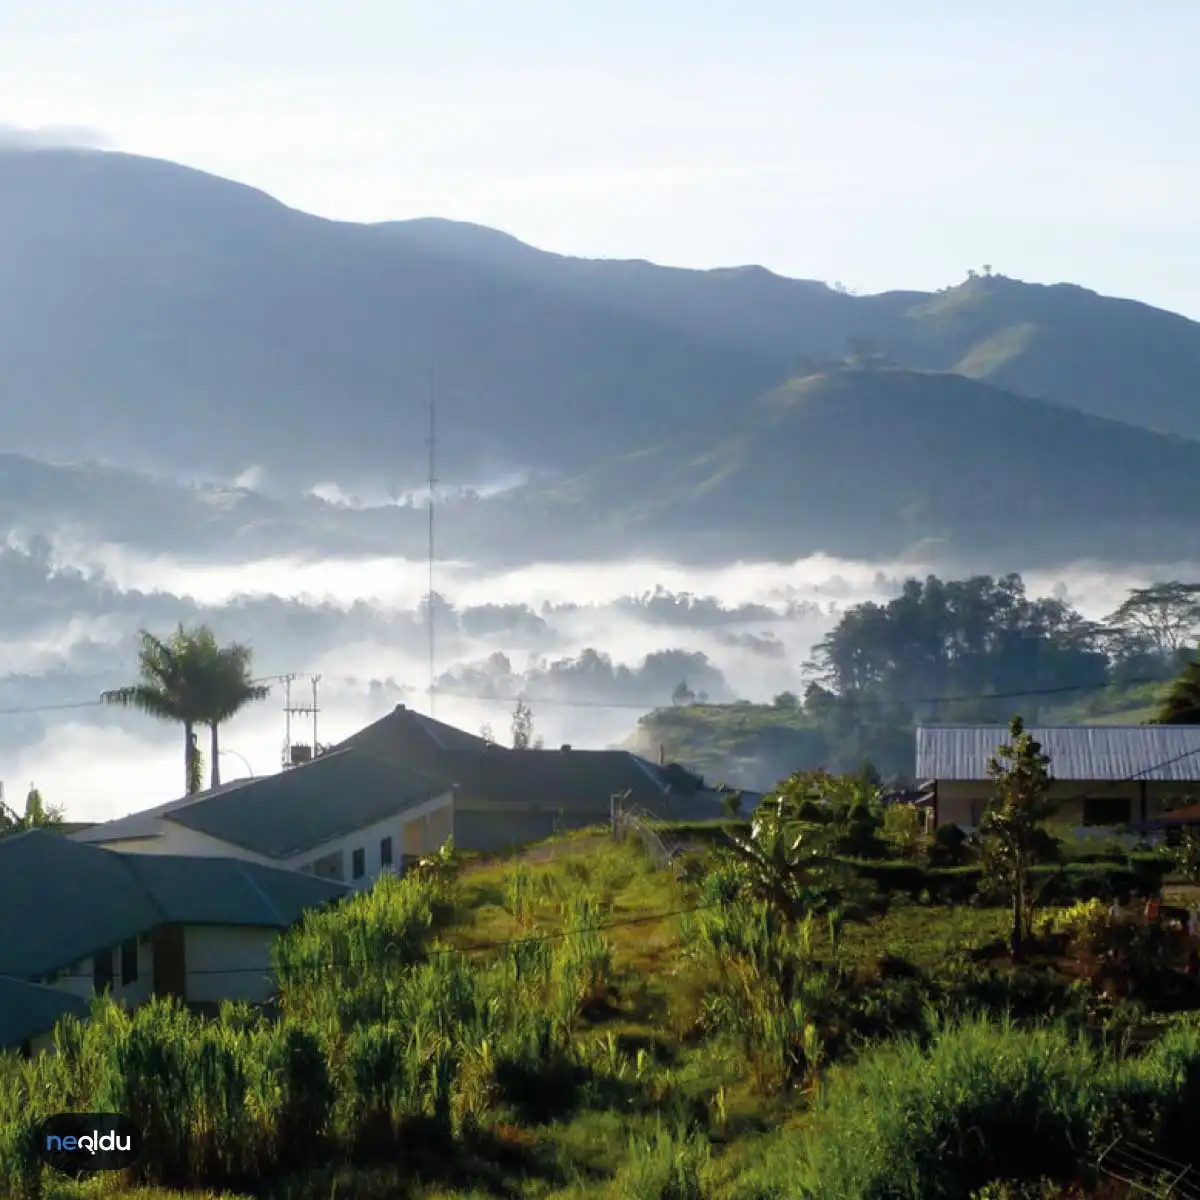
{"x": 664, "y": 1055}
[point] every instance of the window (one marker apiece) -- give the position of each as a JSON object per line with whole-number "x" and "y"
{"x": 1107, "y": 810}
{"x": 385, "y": 852}
{"x": 102, "y": 971}
{"x": 129, "y": 961}
{"x": 358, "y": 861}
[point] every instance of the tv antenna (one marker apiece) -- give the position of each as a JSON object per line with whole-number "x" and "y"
{"x": 295, "y": 754}
{"x": 432, "y": 490}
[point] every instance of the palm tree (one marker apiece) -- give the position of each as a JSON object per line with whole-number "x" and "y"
{"x": 232, "y": 688}
{"x": 192, "y": 681}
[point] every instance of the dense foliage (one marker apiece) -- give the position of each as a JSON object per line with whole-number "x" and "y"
{"x": 946, "y": 651}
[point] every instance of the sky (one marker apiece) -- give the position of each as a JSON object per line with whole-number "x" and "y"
{"x": 875, "y": 144}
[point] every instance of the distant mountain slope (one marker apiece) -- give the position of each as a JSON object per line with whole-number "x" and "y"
{"x": 871, "y": 462}
{"x": 866, "y": 463}
{"x": 157, "y": 315}
{"x": 160, "y": 316}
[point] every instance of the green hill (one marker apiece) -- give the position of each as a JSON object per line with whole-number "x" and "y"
{"x": 870, "y": 462}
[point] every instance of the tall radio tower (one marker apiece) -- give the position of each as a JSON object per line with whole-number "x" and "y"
{"x": 432, "y": 490}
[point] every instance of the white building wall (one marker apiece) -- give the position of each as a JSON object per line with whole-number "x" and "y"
{"x": 228, "y": 963}
{"x": 421, "y": 824}
{"x": 77, "y": 978}
{"x": 178, "y": 839}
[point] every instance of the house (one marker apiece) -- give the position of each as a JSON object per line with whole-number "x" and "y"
{"x": 29, "y": 1012}
{"x": 505, "y": 797}
{"x": 1103, "y": 775}
{"x": 76, "y": 920}
{"x": 347, "y": 815}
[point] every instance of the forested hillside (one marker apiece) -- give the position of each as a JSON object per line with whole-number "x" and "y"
{"x": 973, "y": 650}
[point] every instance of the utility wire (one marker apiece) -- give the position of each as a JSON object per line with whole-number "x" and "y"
{"x": 649, "y": 705}
{"x": 651, "y": 918}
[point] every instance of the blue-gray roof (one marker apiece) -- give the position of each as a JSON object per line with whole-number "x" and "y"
{"x": 30, "y": 1009}
{"x": 61, "y": 901}
{"x": 285, "y": 814}
{"x": 1155, "y": 753}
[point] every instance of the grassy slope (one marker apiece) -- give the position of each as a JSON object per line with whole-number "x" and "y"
{"x": 658, "y": 993}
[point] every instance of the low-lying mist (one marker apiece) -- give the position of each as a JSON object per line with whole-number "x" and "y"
{"x": 591, "y": 646}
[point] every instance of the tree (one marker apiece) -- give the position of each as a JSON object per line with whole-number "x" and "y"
{"x": 230, "y": 688}
{"x": 1165, "y": 613}
{"x": 790, "y": 861}
{"x": 786, "y": 700}
{"x": 190, "y": 680}
{"x": 485, "y": 732}
{"x": 37, "y": 814}
{"x": 1182, "y": 703}
{"x": 1011, "y": 832}
{"x": 522, "y": 728}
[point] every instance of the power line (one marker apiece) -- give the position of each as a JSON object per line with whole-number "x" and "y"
{"x": 649, "y": 705}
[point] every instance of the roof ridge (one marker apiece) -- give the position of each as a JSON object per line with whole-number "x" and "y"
{"x": 127, "y": 861}
{"x": 241, "y": 866}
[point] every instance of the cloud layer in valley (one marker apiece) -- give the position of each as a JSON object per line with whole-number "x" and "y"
{"x": 592, "y": 646}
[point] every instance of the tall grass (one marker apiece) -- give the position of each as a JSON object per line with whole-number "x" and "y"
{"x": 771, "y": 997}
{"x": 989, "y": 1101}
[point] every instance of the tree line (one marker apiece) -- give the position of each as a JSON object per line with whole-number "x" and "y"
{"x": 973, "y": 651}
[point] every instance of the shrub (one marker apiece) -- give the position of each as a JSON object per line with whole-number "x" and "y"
{"x": 985, "y": 1103}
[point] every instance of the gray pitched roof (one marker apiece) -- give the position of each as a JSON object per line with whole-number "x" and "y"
{"x": 30, "y": 1009}
{"x": 61, "y": 901}
{"x": 573, "y": 780}
{"x": 286, "y": 814}
{"x": 229, "y": 891}
{"x": 1166, "y": 753}
{"x": 413, "y": 740}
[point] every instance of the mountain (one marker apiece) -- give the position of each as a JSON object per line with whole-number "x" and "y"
{"x": 160, "y": 317}
{"x": 881, "y": 462}
{"x": 157, "y": 316}
{"x": 856, "y": 462}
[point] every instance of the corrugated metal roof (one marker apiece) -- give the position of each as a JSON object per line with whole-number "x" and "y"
{"x": 1156, "y": 753}
{"x": 30, "y": 1009}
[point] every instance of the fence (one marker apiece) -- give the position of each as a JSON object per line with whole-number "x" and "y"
{"x": 1147, "y": 1173}
{"x": 628, "y": 820}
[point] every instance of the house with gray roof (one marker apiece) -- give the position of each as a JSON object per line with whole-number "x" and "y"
{"x": 505, "y": 797}
{"x": 1103, "y": 775}
{"x": 77, "y": 919}
{"x": 347, "y": 816}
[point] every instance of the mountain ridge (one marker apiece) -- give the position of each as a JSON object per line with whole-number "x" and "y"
{"x": 157, "y": 316}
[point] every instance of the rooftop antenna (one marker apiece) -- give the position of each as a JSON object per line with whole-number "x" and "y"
{"x": 432, "y": 489}
{"x": 295, "y": 755}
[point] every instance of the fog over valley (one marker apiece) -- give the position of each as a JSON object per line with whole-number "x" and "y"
{"x": 591, "y": 646}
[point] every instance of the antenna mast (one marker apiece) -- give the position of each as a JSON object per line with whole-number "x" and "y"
{"x": 432, "y": 489}
{"x": 294, "y": 755}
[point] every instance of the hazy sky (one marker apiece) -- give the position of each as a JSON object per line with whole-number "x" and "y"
{"x": 880, "y": 144}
